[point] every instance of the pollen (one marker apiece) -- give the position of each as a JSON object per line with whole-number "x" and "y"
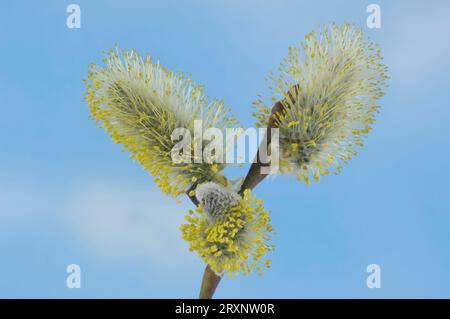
{"x": 236, "y": 241}
{"x": 329, "y": 86}
{"x": 139, "y": 103}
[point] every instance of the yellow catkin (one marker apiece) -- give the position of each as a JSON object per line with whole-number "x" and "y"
{"x": 238, "y": 242}
{"x": 329, "y": 86}
{"x": 139, "y": 103}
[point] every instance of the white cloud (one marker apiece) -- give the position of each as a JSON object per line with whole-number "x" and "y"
{"x": 25, "y": 201}
{"x": 113, "y": 220}
{"x": 107, "y": 221}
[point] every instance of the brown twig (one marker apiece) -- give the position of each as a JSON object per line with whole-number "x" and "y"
{"x": 254, "y": 176}
{"x": 210, "y": 282}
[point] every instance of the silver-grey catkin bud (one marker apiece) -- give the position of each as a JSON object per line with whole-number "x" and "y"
{"x": 216, "y": 200}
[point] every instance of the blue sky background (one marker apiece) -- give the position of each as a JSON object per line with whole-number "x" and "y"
{"x": 69, "y": 195}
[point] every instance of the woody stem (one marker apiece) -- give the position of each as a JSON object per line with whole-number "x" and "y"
{"x": 254, "y": 176}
